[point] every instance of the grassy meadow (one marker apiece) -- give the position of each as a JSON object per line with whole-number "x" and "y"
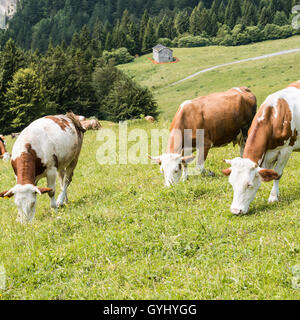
{"x": 123, "y": 235}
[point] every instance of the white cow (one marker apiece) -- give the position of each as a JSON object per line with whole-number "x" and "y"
{"x": 46, "y": 147}
{"x": 272, "y": 137}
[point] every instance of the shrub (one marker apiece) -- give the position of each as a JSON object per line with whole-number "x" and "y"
{"x": 272, "y": 31}
{"x": 165, "y": 42}
{"x": 128, "y": 100}
{"x": 193, "y": 41}
{"x": 120, "y": 56}
{"x": 120, "y": 98}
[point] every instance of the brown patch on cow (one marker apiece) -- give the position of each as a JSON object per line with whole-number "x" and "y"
{"x": 268, "y": 175}
{"x": 270, "y": 129}
{"x": 295, "y": 84}
{"x": 28, "y": 166}
{"x": 222, "y": 115}
{"x": 2, "y": 147}
{"x": 2, "y": 194}
{"x": 63, "y": 123}
{"x": 226, "y": 172}
{"x": 45, "y": 190}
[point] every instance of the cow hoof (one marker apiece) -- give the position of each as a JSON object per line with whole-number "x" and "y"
{"x": 59, "y": 204}
{"x": 208, "y": 173}
{"x": 273, "y": 199}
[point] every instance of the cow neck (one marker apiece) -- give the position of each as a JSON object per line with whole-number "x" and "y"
{"x": 257, "y": 142}
{"x": 175, "y": 144}
{"x": 27, "y": 167}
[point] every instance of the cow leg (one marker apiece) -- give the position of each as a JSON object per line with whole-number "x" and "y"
{"x": 51, "y": 183}
{"x": 67, "y": 179}
{"x": 184, "y": 172}
{"x": 282, "y": 160}
{"x": 241, "y": 140}
{"x": 201, "y": 157}
{"x": 242, "y": 148}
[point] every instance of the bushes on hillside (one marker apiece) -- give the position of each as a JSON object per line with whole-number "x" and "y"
{"x": 193, "y": 41}
{"x": 121, "y": 98}
{"x": 25, "y": 99}
{"x": 65, "y": 80}
{"x": 119, "y": 56}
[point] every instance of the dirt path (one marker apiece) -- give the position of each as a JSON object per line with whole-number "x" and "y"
{"x": 270, "y": 55}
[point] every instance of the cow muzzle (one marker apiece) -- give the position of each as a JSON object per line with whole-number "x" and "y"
{"x": 237, "y": 212}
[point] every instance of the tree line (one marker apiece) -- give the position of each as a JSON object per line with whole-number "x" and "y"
{"x": 138, "y": 25}
{"x": 62, "y": 80}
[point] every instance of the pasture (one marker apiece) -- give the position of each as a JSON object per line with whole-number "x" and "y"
{"x": 123, "y": 235}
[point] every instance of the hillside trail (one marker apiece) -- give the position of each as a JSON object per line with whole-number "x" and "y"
{"x": 270, "y": 55}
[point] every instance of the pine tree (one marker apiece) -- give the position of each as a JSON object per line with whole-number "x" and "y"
{"x": 275, "y": 5}
{"x": 194, "y": 22}
{"x": 265, "y": 16}
{"x": 181, "y": 22}
{"x": 25, "y": 99}
{"x": 149, "y": 40}
{"x": 233, "y": 13}
{"x": 143, "y": 26}
{"x": 12, "y": 59}
{"x": 280, "y": 18}
{"x": 249, "y": 13}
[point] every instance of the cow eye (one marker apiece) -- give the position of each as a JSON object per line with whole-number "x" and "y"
{"x": 249, "y": 185}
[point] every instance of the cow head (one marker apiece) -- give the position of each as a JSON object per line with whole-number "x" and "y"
{"x": 25, "y": 199}
{"x": 245, "y": 176}
{"x": 171, "y": 166}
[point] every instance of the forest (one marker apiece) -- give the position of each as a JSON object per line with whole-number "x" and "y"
{"x": 58, "y": 56}
{"x": 138, "y": 25}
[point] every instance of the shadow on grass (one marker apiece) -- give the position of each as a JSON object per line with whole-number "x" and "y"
{"x": 281, "y": 204}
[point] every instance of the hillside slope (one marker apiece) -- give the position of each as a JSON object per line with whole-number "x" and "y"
{"x": 263, "y": 76}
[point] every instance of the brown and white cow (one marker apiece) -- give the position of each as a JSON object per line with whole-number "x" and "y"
{"x": 224, "y": 116}
{"x": 48, "y": 146}
{"x": 3, "y": 152}
{"x": 273, "y": 136}
{"x": 92, "y": 124}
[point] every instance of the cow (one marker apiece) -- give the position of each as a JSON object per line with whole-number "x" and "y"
{"x": 150, "y": 119}
{"x": 81, "y": 118}
{"x": 92, "y": 124}
{"x": 3, "y": 152}
{"x": 224, "y": 116}
{"x": 15, "y": 135}
{"x": 47, "y": 147}
{"x": 272, "y": 137}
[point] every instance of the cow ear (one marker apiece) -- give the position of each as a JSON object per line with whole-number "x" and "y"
{"x": 7, "y": 194}
{"x": 268, "y": 175}
{"x": 226, "y": 172}
{"x": 44, "y": 190}
{"x": 156, "y": 159}
{"x": 187, "y": 159}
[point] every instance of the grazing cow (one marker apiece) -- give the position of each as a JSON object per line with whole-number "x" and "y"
{"x": 81, "y": 118}
{"x": 150, "y": 119}
{"x": 273, "y": 136}
{"x": 92, "y": 124}
{"x": 3, "y": 153}
{"x": 48, "y": 146}
{"x": 14, "y": 135}
{"x": 225, "y": 117}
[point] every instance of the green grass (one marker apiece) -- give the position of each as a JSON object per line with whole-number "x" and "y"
{"x": 124, "y": 235}
{"x": 195, "y": 59}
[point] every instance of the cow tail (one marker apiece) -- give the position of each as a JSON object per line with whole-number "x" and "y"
{"x": 76, "y": 122}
